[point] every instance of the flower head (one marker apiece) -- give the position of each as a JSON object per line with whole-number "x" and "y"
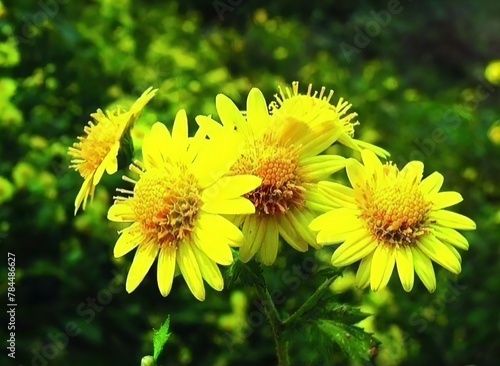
{"x": 392, "y": 217}
{"x": 175, "y": 208}
{"x": 283, "y": 151}
{"x": 316, "y": 111}
{"x": 98, "y": 150}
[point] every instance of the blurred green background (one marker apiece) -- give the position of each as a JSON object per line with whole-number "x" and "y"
{"x": 424, "y": 82}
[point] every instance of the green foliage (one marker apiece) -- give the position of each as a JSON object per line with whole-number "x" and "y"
{"x": 160, "y": 338}
{"x": 413, "y": 86}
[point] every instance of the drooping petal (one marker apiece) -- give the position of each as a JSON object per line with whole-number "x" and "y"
{"x": 254, "y": 231}
{"x": 290, "y": 234}
{"x": 439, "y": 253}
{"x": 382, "y": 267}
{"x": 354, "y": 248}
{"x": 212, "y": 245}
{"x": 129, "y": 239}
{"x": 404, "y": 262}
{"x": 363, "y": 273}
{"x": 424, "y": 269}
{"x": 217, "y": 225}
{"x": 166, "y": 268}
{"x": 450, "y": 236}
{"x": 190, "y": 270}
{"x": 143, "y": 260}
{"x": 83, "y": 193}
{"x": 209, "y": 270}
{"x": 269, "y": 248}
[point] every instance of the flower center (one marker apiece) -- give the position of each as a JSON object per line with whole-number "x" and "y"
{"x": 396, "y": 214}
{"x": 166, "y": 204}
{"x": 277, "y": 165}
{"x": 90, "y": 152}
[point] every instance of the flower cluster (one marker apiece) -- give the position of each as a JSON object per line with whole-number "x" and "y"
{"x": 262, "y": 174}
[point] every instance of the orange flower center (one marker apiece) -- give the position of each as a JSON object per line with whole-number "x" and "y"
{"x": 395, "y": 214}
{"x": 91, "y": 151}
{"x": 277, "y": 165}
{"x": 166, "y": 203}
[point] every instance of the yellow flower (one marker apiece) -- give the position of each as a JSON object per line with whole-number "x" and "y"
{"x": 98, "y": 150}
{"x": 175, "y": 208}
{"x": 392, "y": 217}
{"x": 316, "y": 111}
{"x": 283, "y": 152}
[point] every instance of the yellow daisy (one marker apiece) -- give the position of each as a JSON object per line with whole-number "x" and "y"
{"x": 175, "y": 208}
{"x": 316, "y": 110}
{"x": 98, "y": 150}
{"x": 392, "y": 217}
{"x": 283, "y": 151}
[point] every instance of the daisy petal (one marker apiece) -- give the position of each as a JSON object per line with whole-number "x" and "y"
{"x": 121, "y": 212}
{"x": 450, "y": 236}
{"x": 452, "y": 220}
{"x": 363, "y": 274}
{"x": 209, "y": 270}
{"x": 143, "y": 260}
{"x": 235, "y": 206}
{"x": 382, "y": 266}
{"x": 213, "y": 246}
{"x": 446, "y": 199}
{"x": 404, "y": 262}
{"x": 190, "y": 270}
{"x": 257, "y": 112}
{"x": 231, "y": 187}
{"x": 424, "y": 269}
{"x": 439, "y": 253}
{"x": 129, "y": 239}
{"x": 355, "y": 173}
{"x": 254, "y": 231}
{"x": 166, "y": 268}
{"x": 432, "y": 184}
{"x": 269, "y": 248}
{"x": 354, "y": 248}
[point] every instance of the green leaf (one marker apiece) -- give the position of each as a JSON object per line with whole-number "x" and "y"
{"x": 354, "y": 342}
{"x": 332, "y": 310}
{"x": 247, "y": 273}
{"x": 233, "y": 272}
{"x": 329, "y": 272}
{"x": 160, "y": 338}
{"x": 126, "y": 152}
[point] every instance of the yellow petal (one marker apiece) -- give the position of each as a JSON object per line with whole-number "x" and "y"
{"x": 143, "y": 260}
{"x": 83, "y": 193}
{"x": 377, "y": 150}
{"x": 130, "y": 238}
{"x": 373, "y": 165}
{"x": 231, "y": 187}
{"x": 209, "y": 270}
{"x": 121, "y": 212}
{"x": 290, "y": 235}
{"x": 356, "y": 173}
{"x": 161, "y": 141}
{"x": 235, "y": 206}
{"x": 166, "y": 268}
{"x": 413, "y": 171}
{"x": 404, "y": 261}
{"x": 363, "y": 274}
{"x": 446, "y": 199}
{"x": 354, "y": 248}
{"x": 110, "y": 161}
{"x": 335, "y": 219}
{"x": 269, "y": 248}
{"x": 320, "y": 167}
{"x": 450, "y": 236}
{"x": 213, "y": 246}
{"x": 257, "y": 112}
{"x": 180, "y": 132}
{"x": 190, "y": 270}
{"x": 382, "y": 266}
{"x": 439, "y": 253}
{"x": 424, "y": 269}
{"x": 211, "y": 127}
{"x": 219, "y": 226}
{"x": 254, "y": 230}
{"x": 317, "y": 140}
{"x": 230, "y": 115}
{"x": 300, "y": 219}
{"x": 452, "y": 220}
{"x": 432, "y": 184}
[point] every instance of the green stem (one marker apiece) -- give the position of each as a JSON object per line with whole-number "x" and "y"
{"x": 276, "y": 325}
{"x": 310, "y": 303}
